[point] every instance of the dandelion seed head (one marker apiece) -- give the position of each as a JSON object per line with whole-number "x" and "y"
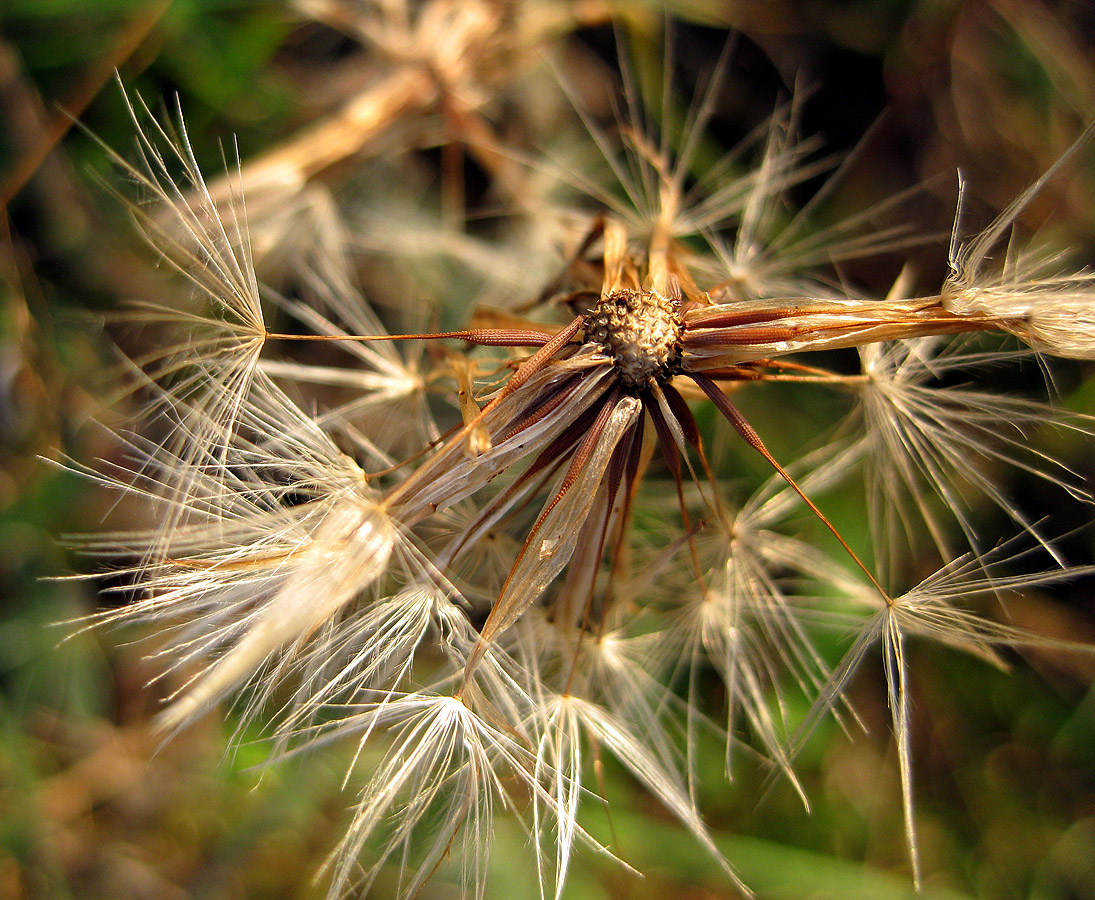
{"x": 565, "y": 570}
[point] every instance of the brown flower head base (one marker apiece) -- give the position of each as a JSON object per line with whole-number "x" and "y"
{"x": 641, "y": 331}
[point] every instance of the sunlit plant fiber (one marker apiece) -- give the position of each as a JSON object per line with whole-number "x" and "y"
{"x": 428, "y": 541}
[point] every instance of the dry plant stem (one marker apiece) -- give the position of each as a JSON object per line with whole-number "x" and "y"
{"x": 334, "y": 142}
{"x": 439, "y": 70}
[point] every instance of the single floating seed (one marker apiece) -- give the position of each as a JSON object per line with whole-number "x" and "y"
{"x": 641, "y": 331}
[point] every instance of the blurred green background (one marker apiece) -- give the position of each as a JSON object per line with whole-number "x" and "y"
{"x": 92, "y": 807}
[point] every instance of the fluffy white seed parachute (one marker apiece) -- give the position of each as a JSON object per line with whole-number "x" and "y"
{"x": 1032, "y": 294}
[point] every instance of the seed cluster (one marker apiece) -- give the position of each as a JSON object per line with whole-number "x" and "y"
{"x": 641, "y": 331}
